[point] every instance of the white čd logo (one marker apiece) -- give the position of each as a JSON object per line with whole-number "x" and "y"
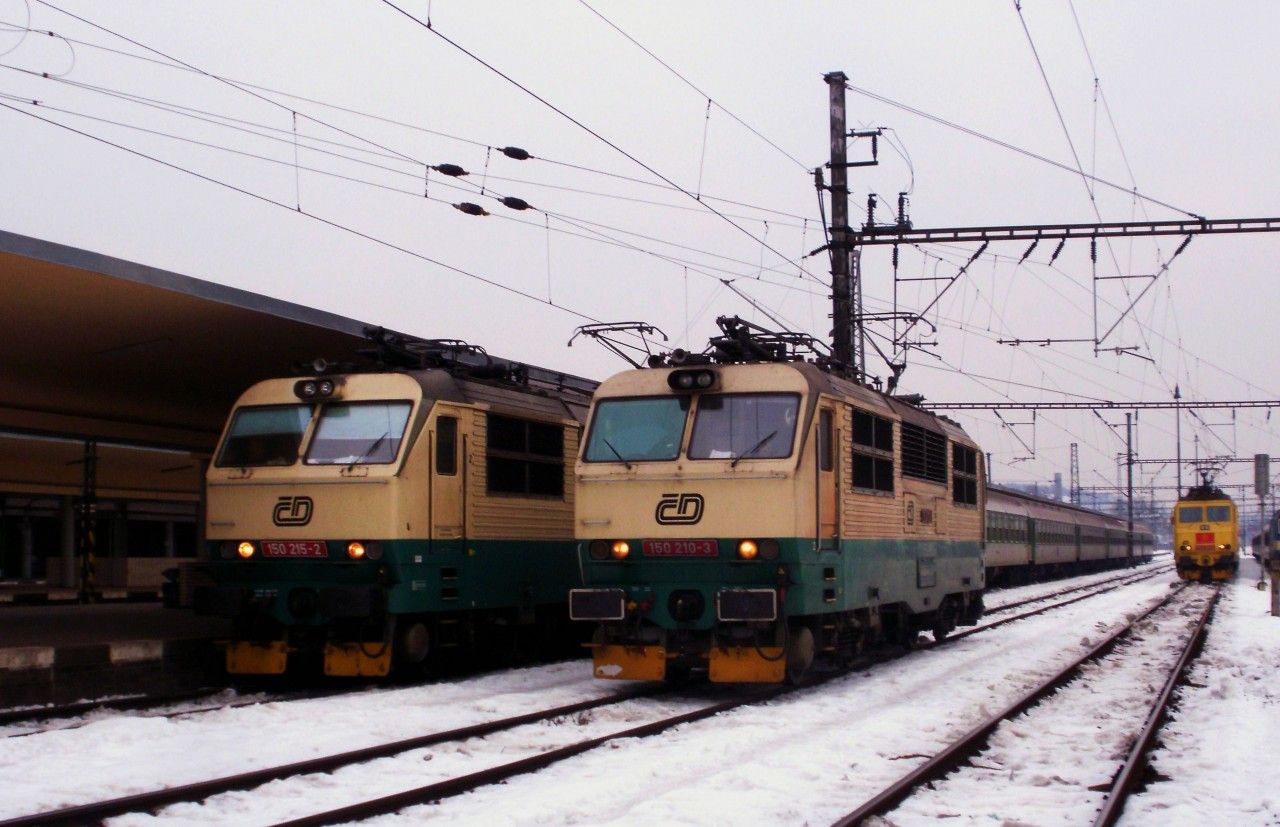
{"x": 679, "y": 509}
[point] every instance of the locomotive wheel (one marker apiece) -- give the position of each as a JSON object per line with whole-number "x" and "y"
{"x": 800, "y": 651}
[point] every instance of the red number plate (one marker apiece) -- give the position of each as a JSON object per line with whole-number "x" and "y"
{"x": 294, "y": 548}
{"x": 680, "y": 548}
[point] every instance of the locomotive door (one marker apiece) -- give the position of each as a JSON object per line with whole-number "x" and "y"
{"x": 448, "y": 481}
{"x": 827, "y": 477}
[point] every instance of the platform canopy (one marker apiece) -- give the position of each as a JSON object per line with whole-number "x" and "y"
{"x": 94, "y": 347}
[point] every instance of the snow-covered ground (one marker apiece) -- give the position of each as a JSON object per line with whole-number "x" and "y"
{"x": 807, "y": 758}
{"x": 1003, "y": 597}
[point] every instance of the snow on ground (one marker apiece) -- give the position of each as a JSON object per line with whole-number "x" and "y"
{"x": 123, "y": 754}
{"x": 804, "y": 759}
{"x": 1221, "y": 746}
{"x": 1038, "y": 767}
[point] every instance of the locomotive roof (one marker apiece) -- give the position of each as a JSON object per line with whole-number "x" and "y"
{"x": 442, "y": 385}
{"x": 1200, "y": 493}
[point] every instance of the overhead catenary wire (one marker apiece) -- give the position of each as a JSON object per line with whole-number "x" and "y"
{"x": 710, "y": 100}
{"x": 575, "y": 121}
{"x": 238, "y": 82}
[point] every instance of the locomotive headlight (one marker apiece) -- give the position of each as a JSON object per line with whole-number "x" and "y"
{"x": 325, "y": 387}
{"x": 373, "y": 550}
{"x": 245, "y": 550}
{"x": 355, "y": 550}
{"x": 1224, "y": 546}
{"x": 747, "y": 549}
{"x": 620, "y": 549}
{"x": 684, "y": 381}
{"x": 598, "y": 549}
{"x": 306, "y": 389}
{"x": 1185, "y": 546}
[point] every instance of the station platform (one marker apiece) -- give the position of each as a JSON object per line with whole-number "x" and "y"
{"x": 61, "y": 653}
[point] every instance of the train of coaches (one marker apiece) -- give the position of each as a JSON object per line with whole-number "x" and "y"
{"x": 740, "y": 512}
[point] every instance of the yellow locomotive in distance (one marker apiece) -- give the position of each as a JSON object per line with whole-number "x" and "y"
{"x": 1205, "y": 533}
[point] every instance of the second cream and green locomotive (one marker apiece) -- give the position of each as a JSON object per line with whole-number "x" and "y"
{"x": 748, "y": 518}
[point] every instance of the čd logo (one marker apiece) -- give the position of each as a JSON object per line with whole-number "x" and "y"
{"x": 292, "y": 511}
{"x": 679, "y": 509}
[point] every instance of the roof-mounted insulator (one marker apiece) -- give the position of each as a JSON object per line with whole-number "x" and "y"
{"x": 471, "y": 209}
{"x": 450, "y": 169}
{"x": 516, "y": 153}
{"x": 515, "y": 203}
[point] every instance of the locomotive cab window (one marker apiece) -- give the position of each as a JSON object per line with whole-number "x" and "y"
{"x": 1219, "y": 513}
{"x": 744, "y": 426}
{"x": 872, "y": 452}
{"x": 524, "y": 457}
{"x": 1190, "y": 514}
{"x": 359, "y": 433}
{"x": 826, "y": 449}
{"x": 637, "y": 430}
{"x": 265, "y": 435}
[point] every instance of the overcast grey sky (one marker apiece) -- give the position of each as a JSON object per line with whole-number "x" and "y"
{"x": 1189, "y": 88}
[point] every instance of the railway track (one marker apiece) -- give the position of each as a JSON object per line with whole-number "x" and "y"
{"x": 144, "y": 703}
{"x": 960, "y": 752}
{"x": 198, "y": 791}
{"x": 1126, "y": 577}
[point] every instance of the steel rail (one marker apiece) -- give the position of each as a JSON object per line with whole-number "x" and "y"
{"x": 199, "y": 790}
{"x": 1130, "y": 775}
{"x": 45, "y": 713}
{"x": 960, "y": 751}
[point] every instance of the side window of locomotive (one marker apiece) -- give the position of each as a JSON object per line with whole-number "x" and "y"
{"x": 1219, "y": 513}
{"x": 924, "y": 454}
{"x": 744, "y": 426}
{"x": 964, "y": 475}
{"x": 446, "y": 446}
{"x": 359, "y": 433}
{"x": 264, "y": 435}
{"x": 637, "y": 430}
{"x": 826, "y": 440}
{"x": 872, "y": 452}
{"x": 1190, "y": 514}
{"x": 524, "y": 457}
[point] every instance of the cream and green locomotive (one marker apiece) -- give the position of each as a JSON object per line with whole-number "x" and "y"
{"x": 367, "y": 519}
{"x": 746, "y": 516}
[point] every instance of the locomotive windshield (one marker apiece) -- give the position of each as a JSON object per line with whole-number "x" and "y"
{"x": 358, "y": 433}
{"x": 264, "y": 435}
{"x": 1219, "y": 513}
{"x": 744, "y": 426}
{"x": 1190, "y": 514}
{"x": 637, "y": 430}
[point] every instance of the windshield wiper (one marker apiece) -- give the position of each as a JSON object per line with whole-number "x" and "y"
{"x": 754, "y": 448}
{"x": 369, "y": 451}
{"x": 615, "y": 453}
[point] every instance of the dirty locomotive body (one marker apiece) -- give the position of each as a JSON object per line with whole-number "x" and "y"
{"x": 365, "y": 520}
{"x": 747, "y": 519}
{"x": 1205, "y": 534}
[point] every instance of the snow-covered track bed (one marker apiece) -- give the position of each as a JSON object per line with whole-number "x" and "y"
{"x": 1007, "y": 599}
{"x": 1085, "y": 729}
{"x": 328, "y": 785}
{"x": 38, "y": 720}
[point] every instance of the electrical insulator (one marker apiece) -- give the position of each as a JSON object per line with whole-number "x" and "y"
{"x": 450, "y": 169}
{"x": 471, "y": 209}
{"x": 516, "y": 153}
{"x": 515, "y": 203}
